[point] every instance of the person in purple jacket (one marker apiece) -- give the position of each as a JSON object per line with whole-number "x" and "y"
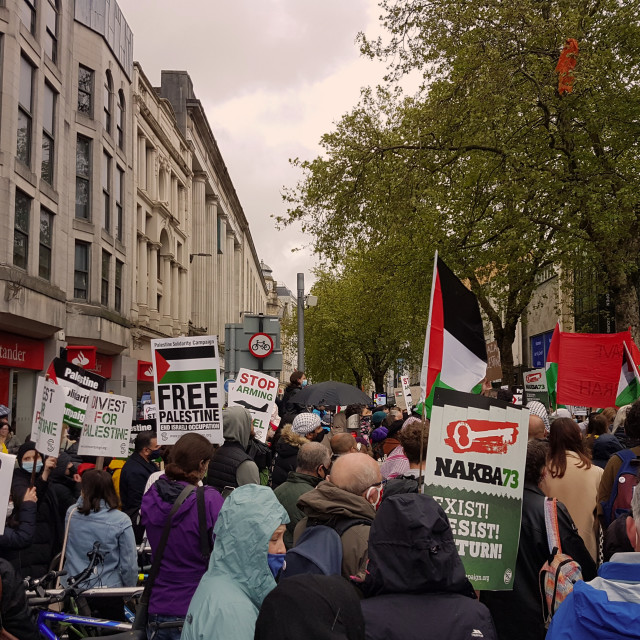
{"x": 183, "y": 563}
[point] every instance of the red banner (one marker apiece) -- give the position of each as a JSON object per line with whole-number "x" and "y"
{"x": 145, "y": 371}
{"x": 21, "y": 353}
{"x": 104, "y": 365}
{"x": 589, "y": 368}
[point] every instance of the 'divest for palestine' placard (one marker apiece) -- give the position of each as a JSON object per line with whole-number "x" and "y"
{"x": 107, "y": 425}
{"x": 187, "y": 389}
{"x": 475, "y": 469}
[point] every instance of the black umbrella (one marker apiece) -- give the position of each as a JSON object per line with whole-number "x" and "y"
{"x": 331, "y": 393}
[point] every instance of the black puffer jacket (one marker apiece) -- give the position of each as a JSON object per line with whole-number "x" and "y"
{"x": 14, "y": 615}
{"x": 417, "y": 588}
{"x": 286, "y": 456}
{"x": 518, "y": 613}
{"x": 289, "y": 407}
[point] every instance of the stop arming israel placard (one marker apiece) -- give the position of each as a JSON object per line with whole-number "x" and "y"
{"x": 107, "y": 425}
{"x": 256, "y": 392}
{"x": 186, "y": 374}
{"x": 50, "y": 418}
{"x": 475, "y": 469}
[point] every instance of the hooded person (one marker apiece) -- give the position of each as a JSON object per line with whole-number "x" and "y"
{"x": 306, "y": 427}
{"x": 232, "y": 466}
{"x": 248, "y": 553}
{"x": 335, "y": 614}
{"x": 416, "y": 586}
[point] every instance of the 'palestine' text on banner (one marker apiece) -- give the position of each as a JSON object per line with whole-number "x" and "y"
{"x": 186, "y": 381}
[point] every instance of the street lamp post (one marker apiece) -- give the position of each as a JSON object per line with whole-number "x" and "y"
{"x": 301, "y": 322}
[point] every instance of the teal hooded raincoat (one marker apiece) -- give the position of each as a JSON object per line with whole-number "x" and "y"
{"x": 228, "y": 598}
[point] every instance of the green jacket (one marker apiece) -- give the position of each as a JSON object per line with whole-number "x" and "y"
{"x": 228, "y": 598}
{"x": 288, "y": 493}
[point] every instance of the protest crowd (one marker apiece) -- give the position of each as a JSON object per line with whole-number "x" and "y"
{"x": 324, "y": 531}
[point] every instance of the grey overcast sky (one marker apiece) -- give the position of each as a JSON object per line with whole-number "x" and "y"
{"x": 273, "y": 76}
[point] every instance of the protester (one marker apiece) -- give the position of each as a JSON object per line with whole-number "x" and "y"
{"x": 248, "y": 554}
{"x": 596, "y": 427}
{"x": 183, "y": 562}
{"x": 20, "y": 527}
{"x": 632, "y": 432}
{"x": 608, "y": 606}
{"x": 9, "y": 442}
{"x": 65, "y": 483}
{"x": 306, "y": 427}
{"x": 396, "y": 463}
{"x": 609, "y": 415}
{"x": 416, "y": 586}
{"x": 232, "y": 466}
{"x": 536, "y": 427}
{"x": 414, "y": 440}
{"x": 519, "y": 613}
{"x": 34, "y": 560}
{"x": 572, "y": 478}
{"x": 15, "y": 617}
{"x": 134, "y": 476}
{"x": 313, "y": 467}
{"x": 335, "y": 613}
{"x": 538, "y": 409}
{"x": 290, "y": 408}
{"x": 341, "y": 444}
{"x": 353, "y": 491}
{"x": 393, "y": 423}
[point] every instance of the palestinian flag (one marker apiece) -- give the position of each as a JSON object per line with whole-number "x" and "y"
{"x": 182, "y": 365}
{"x": 455, "y": 351}
{"x": 551, "y": 366}
{"x": 629, "y": 384}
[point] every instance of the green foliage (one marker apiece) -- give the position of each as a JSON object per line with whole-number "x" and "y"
{"x": 488, "y": 162}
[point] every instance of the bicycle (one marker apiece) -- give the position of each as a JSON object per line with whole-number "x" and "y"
{"x": 69, "y": 622}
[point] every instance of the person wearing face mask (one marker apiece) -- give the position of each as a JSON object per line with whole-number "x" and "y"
{"x": 134, "y": 476}
{"x": 185, "y": 557}
{"x": 34, "y": 560}
{"x": 306, "y": 427}
{"x": 248, "y": 554}
{"x": 290, "y": 409}
{"x": 353, "y": 491}
{"x": 312, "y": 467}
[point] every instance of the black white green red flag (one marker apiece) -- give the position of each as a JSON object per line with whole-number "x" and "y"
{"x": 455, "y": 351}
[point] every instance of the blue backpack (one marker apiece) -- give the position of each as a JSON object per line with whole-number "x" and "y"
{"x": 319, "y": 549}
{"x": 622, "y": 490}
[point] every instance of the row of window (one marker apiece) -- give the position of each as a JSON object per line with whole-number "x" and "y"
{"x": 21, "y": 233}
{"x": 27, "y": 11}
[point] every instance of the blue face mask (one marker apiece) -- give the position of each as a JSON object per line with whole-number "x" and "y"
{"x": 276, "y": 562}
{"x": 28, "y": 466}
{"x": 304, "y": 383}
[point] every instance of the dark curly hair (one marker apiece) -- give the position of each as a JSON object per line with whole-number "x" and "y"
{"x": 632, "y": 423}
{"x": 537, "y": 451}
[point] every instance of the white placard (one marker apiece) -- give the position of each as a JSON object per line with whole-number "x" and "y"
{"x": 150, "y": 411}
{"x": 255, "y": 391}
{"x": 37, "y": 406}
{"x": 52, "y": 405}
{"x": 406, "y": 392}
{"x": 7, "y": 462}
{"x": 107, "y": 425}
{"x": 187, "y": 387}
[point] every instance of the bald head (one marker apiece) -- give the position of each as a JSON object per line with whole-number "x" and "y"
{"x": 343, "y": 443}
{"x": 536, "y": 427}
{"x": 355, "y": 473}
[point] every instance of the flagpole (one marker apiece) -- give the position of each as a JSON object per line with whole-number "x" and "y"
{"x": 424, "y": 373}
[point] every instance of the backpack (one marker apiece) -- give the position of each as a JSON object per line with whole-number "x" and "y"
{"x": 319, "y": 548}
{"x": 622, "y": 490}
{"x": 560, "y": 572}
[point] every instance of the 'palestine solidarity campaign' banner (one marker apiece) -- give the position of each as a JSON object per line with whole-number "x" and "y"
{"x": 186, "y": 375}
{"x": 475, "y": 470}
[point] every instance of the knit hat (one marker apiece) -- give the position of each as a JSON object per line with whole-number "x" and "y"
{"x": 305, "y": 423}
{"x": 4, "y": 411}
{"x": 29, "y": 445}
{"x": 378, "y": 417}
{"x": 538, "y": 409}
{"x": 379, "y": 434}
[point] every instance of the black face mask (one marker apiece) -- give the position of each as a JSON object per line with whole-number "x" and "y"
{"x": 72, "y": 471}
{"x": 319, "y": 436}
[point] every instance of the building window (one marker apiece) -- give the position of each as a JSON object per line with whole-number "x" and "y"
{"x": 83, "y": 178}
{"x": 121, "y": 120}
{"x": 118, "y": 292}
{"x": 21, "y": 230}
{"x": 46, "y": 242}
{"x": 27, "y": 9}
{"x": 85, "y": 91}
{"x": 119, "y": 191}
{"x": 104, "y": 288}
{"x": 51, "y": 34}
{"x": 107, "y": 97}
{"x": 81, "y": 271}
{"x": 25, "y": 105}
{"x": 48, "y": 132}
{"x": 106, "y": 189}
